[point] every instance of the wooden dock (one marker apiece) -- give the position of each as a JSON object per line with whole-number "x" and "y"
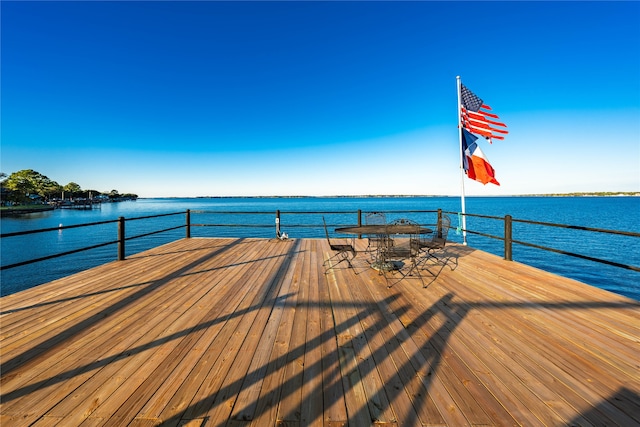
{"x": 212, "y": 332}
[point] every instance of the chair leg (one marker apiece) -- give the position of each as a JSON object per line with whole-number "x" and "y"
{"x": 340, "y": 257}
{"x": 414, "y": 270}
{"x": 386, "y": 277}
{"x": 428, "y": 254}
{"x": 388, "y": 270}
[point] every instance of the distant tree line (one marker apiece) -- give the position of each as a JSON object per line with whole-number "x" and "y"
{"x": 28, "y": 186}
{"x": 592, "y": 194}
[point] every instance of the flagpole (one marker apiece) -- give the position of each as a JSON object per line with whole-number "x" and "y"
{"x": 462, "y": 201}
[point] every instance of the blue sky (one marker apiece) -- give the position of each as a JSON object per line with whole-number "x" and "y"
{"x": 318, "y": 98}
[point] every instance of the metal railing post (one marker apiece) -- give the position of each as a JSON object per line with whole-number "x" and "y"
{"x": 278, "y": 223}
{"x": 439, "y": 225}
{"x": 359, "y": 221}
{"x": 121, "y": 238}
{"x": 508, "y": 238}
{"x": 188, "y": 224}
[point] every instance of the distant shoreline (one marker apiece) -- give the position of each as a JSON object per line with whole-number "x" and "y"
{"x": 24, "y": 209}
{"x": 27, "y": 209}
{"x": 372, "y": 196}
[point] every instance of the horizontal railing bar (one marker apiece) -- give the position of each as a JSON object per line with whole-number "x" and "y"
{"x": 64, "y": 227}
{"x": 318, "y": 226}
{"x": 475, "y": 215}
{"x": 155, "y": 232}
{"x": 558, "y": 251}
{"x": 234, "y": 212}
{"x": 155, "y": 216}
{"x": 578, "y": 227}
{"x": 234, "y": 225}
{"x": 306, "y": 212}
{"x": 355, "y": 212}
{"x": 18, "y": 264}
{"x": 484, "y": 235}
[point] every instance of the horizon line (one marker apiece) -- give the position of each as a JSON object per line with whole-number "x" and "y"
{"x": 580, "y": 193}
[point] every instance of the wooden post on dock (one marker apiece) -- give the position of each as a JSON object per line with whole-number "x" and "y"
{"x": 188, "y": 224}
{"x": 121, "y": 238}
{"x": 508, "y": 238}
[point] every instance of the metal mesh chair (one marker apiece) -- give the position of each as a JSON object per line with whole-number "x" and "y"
{"x": 374, "y": 240}
{"x": 398, "y": 249}
{"x": 436, "y": 241}
{"x": 342, "y": 251}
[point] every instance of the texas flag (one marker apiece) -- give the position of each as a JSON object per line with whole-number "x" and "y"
{"x": 475, "y": 163}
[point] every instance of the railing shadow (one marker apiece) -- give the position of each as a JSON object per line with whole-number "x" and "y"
{"x": 130, "y": 352}
{"x": 610, "y": 405}
{"x": 37, "y": 351}
{"x": 204, "y": 406}
{"x": 121, "y": 288}
{"x": 217, "y": 242}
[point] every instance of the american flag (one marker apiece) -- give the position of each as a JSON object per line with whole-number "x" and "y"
{"x": 476, "y": 117}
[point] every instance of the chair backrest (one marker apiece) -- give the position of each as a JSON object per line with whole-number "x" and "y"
{"x": 440, "y": 236}
{"x": 411, "y": 246}
{"x": 375, "y": 218}
{"x": 445, "y": 226}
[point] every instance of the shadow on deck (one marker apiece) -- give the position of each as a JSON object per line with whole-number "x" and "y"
{"x": 250, "y": 331}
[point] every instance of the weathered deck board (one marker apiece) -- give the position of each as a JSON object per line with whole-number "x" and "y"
{"x": 211, "y": 332}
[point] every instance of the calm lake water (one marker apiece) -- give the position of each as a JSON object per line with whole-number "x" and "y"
{"x": 612, "y": 213}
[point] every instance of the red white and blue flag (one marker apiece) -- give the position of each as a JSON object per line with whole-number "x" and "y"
{"x": 475, "y": 163}
{"x": 477, "y": 118}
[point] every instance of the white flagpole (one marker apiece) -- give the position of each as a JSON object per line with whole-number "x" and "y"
{"x": 464, "y": 218}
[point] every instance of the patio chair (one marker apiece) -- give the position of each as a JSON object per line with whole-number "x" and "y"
{"x": 438, "y": 239}
{"x": 342, "y": 251}
{"x": 375, "y": 240}
{"x": 396, "y": 250}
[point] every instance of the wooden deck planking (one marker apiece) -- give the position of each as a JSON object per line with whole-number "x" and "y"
{"x": 311, "y": 406}
{"x": 252, "y": 332}
{"x": 225, "y": 376}
{"x": 361, "y": 384}
{"x": 145, "y": 325}
{"x": 538, "y": 335}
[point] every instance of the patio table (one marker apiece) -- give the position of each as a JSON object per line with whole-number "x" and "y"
{"x": 386, "y": 230}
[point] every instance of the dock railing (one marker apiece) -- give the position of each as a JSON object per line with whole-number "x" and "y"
{"x": 309, "y": 224}
{"x": 120, "y": 241}
{"x": 508, "y": 238}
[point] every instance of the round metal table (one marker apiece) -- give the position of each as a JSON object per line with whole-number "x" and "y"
{"x": 388, "y": 230}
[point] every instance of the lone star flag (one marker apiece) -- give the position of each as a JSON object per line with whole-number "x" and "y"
{"x": 475, "y": 163}
{"x": 477, "y": 119}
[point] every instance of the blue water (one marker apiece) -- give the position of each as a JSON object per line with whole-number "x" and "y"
{"x": 612, "y": 213}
